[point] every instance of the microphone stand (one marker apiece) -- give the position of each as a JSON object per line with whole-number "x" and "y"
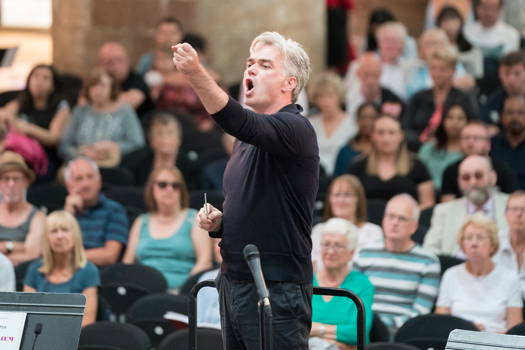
{"x": 265, "y": 324}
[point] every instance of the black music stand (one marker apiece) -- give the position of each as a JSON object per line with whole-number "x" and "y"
{"x": 59, "y": 316}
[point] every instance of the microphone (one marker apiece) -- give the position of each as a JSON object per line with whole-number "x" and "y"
{"x": 251, "y": 255}
{"x": 37, "y": 331}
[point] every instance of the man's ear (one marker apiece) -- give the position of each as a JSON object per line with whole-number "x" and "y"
{"x": 289, "y": 84}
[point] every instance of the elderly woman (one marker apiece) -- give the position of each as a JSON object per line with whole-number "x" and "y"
{"x": 167, "y": 238}
{"x": 346, "y": 200}
{"x": 64, "y": 267}
{"x": 390, "y": 169}
{"x": 21, "y": 224}
{"x": 480, "y": 290}
{"x": 103, "y": 129}
{"x": 333, "y": 321}
{"x": 332, "y": 125}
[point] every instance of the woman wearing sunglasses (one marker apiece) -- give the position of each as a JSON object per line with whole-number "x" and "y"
{"x": 167, "y": 238}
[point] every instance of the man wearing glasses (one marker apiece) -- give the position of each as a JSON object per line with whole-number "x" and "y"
{"x": 477, "y": 181}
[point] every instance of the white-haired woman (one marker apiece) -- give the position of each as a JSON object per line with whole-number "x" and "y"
{"x": 479, "y": 290}
{"x": 64, "y": 267}
{"x": 333, "y": 321}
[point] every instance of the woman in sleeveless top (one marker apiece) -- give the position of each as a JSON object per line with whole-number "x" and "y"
{"x": 167, "y": 238}
{"x": 21, "y": 224}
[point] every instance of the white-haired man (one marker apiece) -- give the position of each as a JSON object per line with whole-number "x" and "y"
{"x": 270, "y": 184}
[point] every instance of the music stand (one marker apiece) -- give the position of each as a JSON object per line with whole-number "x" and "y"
{"x": 60, "y": 316}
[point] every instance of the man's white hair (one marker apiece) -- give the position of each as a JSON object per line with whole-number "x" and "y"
{"x": 395, "y": 27}
{"x": 91, "y": 162}
{"x": 296, "y": 60}
{"x": 415, "y": 205}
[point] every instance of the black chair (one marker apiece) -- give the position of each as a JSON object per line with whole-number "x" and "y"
{"x": 20, "y": 274}
{"x": 111, "y": 335}
{"x": 197, "y": 199}
{"x": 431, "y": 330}
{"x": 209, "y": 338}
{"x": 8, "y": 96}
{"x": 132, "y": 213}
{"x": 71, "y": 86}
{"x": 419, "y": 235}
{"x": 122, "y": 285}
{"x": 390, "y": 346}
{"x": 116, "y": 177}
{"x": 376, "y": 210}
{"x": 185, "y": 289}
{"x": 128, "y": 196}
{"x": 379, "y": 331}
{"x": 518, "y": 329}
{"x": 446, "y": 262}
{"x": 49, "y": 197}
{"x": 147, "y": 313}
{"x": 425, "y": 217}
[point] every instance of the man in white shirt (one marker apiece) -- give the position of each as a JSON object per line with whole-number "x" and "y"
{"x": 7, "y": 275}
{"x": 489, "y": 33}
{"x": 511, "y": 253}
{"x": 477, "y": 180}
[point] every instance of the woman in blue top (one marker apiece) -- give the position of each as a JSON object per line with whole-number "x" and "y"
{"x": 334, "y": 319}
{"x": 167, "y": 238}
{"x": 64, "y": 267}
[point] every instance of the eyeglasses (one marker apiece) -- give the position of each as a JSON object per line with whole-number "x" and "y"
{"x": 477, "y": 237}
{"x": 15, "y": 179}
{"x": 345, "y": 195}
{"x": 338, "y": 248}
{"x": 478, "y": 175}
{"x": 516, "y": 210}
{"x": 164, "y": 184}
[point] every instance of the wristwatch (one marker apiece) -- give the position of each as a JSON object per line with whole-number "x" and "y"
{"x": 9, "y": 246}
{"x": 322, "y": 331}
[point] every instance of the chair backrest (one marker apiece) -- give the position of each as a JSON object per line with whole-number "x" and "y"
{"x": 518, "y": 329}
{"x": 390, "y": 346}
{"x": 146, "y": 277}
{"x": 128, "y": 196}
{"x": 50, "y": 196}
{"x": 111, "y": 334}
{"x": 379, "y": 331}
{"x": 185, "y": 289}
{"x": 20, "y": 274}
{"x": 446, "y": 262}
{"x": 207, "y": 338}
{"x": 376, "y": 210}
{"x": 431, "y": 326}
{"x": 469, "y": 340}
{"x": 116, "y": 176}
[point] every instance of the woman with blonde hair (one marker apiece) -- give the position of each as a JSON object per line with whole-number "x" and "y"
{"x": 479, "y": 290}
{"x": 64, "y": 267}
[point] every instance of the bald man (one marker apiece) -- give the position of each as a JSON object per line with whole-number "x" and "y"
{"x": 365, "y": 86}
{"x": 114, "y": 59}
{"x": 477, "y": 181}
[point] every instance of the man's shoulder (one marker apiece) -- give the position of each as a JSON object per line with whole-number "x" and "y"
{"x": 450, "y": 207}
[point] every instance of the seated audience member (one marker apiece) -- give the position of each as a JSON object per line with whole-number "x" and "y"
{"x": 490, "y": 34}
{"x": 113, "y": 58}
{"x": 434, "y": 8}
{"x": 208, "y": 310}
{"x": 475, "y": 140}
{"x": 512, "y": 242}
{"x": 103, "y": 221}
{"x": 444, "y": 148}
{"x": 405, "y": 275}
{"x": 431, "y": 41}
{"x": 451, "y": 21}
{"x": 159, "y": 72}
{"x": 333, "y": 319}
{"x": 346, "y": 199}
{"x": 509, "y": 145}
{"x": 103, "y": 129}
{"x": 168, "y": 32}
{"x": 213, "y": 172}
{"x": 479, "y": 290}
{"x": 167, "y": 237}
{"x": 511, "y": 73}
{"x": 477, "y": 181}
{"x": 165, "y": 139}
{"x": 367, "y": 88}
{"x": 21, "y": 224}
{"x": 389, "y": 168}
{"x": 366, "y": 114}
{"x": 7, "y": 275}
{"x": 425, "y": 109}
{"x": 64, "y": 267}
{"x": 332, "y": 126}
{"x": 40, "y": 112}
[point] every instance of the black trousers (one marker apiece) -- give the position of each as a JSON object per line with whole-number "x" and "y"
{"x": 291, "y": 309}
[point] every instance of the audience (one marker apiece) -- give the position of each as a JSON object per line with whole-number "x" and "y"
{"x": 367, "y": 113}
{"x": 405, "y": 275}
{"x": 167, "y": 237}
{"x": 509, "y": 145}
{"x": 346, "y": 200}
{"x": 103, "y": 129}
{"x": 332, "y": 126}
{"x": 21, "y": 224}
{"x": 103, "y": 222}
{"x": 512, "y": 241}
{"x": 489, "y": 33}
{"x": 475, "y": 140}
{"x": 213, "y": 172}
{"x": 477, "y": 180}
{"x": 390, "y": 169}
{"x": 333, "y": 319}
{"x": 64, "y": 267}
{"x": 444, "y": 148}
{"x": 479, "y": 290}
{"x": 7, "y": 275}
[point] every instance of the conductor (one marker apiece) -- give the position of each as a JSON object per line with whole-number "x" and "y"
{"x": 270, "y": 185}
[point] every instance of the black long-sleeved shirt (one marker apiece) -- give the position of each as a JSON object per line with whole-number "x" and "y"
{"x": 270, "y": 185}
